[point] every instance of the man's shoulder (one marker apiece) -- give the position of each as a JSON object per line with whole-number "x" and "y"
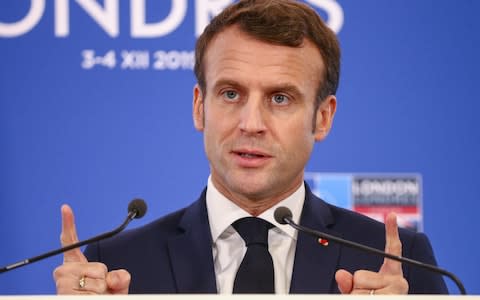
{"x": 155, "y": 234}
{"x": 359, "y": 227}
{"x": 164, "y": 226}
{"x": 157, "y": 231}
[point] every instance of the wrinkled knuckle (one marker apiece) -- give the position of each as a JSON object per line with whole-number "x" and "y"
{"x": 358, "y": 274}
{"x": 397, "y": 245}
{"x": 398, "y": 283}
{"x": 102, "y": 287}
{"x": 99, "y": 269}
{"x": 103, "y": 268}
{"x": 58, "y": 272}
{"x": 63, "y": 239}
{"x": 405, "y": 285}
{"x": 61, "y": 287}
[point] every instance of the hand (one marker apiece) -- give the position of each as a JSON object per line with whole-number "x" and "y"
{"x": 388, "y": 280}
{"x": 96, "y": 278}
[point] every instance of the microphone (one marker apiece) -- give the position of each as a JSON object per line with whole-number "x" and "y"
{"x": 137, "y": 208}
{"x": 283, "y": 215}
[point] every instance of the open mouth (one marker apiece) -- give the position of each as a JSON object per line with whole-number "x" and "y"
{"x": 250, "y": 158}
{"x": 250, "y": 155}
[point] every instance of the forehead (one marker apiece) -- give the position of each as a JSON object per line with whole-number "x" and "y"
{"x": 233, "y": 54}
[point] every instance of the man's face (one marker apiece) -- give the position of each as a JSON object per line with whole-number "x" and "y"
{"x": 256, "y": 114}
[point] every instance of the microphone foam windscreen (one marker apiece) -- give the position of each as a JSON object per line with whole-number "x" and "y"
{"x": 139, "y": 206}
{"x": 282, "y": 213}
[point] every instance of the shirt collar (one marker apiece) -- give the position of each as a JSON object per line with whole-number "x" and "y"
{"x": 222, "y": 212}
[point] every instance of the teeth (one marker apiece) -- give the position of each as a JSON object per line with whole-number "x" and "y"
{"x": 248, "y": 155}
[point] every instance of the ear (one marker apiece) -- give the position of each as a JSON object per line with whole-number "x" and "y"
{"x": 325, "y": 113}
{"x": 198, "y": 109}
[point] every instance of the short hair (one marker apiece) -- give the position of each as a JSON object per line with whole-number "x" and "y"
{"x": 280, "y": 22}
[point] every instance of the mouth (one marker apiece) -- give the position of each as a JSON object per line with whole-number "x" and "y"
{"x": 250, "y": 154}
{"x": 251, "y": 158}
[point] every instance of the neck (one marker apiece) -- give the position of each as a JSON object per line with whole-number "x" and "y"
{"x": 255, "y": 205}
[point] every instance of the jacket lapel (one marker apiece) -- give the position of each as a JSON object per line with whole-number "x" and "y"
{"x": 315, "y": 265}
{"x": 193, "y": 273}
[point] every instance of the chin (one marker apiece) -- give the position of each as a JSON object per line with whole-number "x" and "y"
{"x": 252, "y": 189}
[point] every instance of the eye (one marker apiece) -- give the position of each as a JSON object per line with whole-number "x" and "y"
{"x": 280, "y": 99}
{"x": 230, "y": 95}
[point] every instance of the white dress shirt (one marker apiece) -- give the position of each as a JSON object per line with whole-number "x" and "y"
{"x": 229, "y": 248}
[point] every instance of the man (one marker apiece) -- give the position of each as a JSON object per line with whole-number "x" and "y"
{"x": 267, "y": 76}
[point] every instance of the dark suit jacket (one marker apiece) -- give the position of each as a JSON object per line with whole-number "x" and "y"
{"x": 174, "y": 254}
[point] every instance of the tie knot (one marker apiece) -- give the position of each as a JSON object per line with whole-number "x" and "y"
{"x": 253, "y": 230}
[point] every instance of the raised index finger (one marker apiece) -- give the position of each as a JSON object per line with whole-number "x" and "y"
{"x": 69, "y": 236}
{"x": 393, "y": 246}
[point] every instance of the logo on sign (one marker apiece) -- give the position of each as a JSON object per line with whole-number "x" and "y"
{"x": 374, "y": 195}
{"x": 107, "y": 17}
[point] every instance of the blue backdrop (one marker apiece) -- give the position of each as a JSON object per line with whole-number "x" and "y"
{"x": 95, "y": 109}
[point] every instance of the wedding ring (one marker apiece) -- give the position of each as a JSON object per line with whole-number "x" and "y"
{"x": 81, "y": 282}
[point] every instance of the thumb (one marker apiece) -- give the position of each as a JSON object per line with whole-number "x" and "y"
{"x": 344, "y": 281}
{"x": 118, "y": 281}
{"x": 69, "y": 236}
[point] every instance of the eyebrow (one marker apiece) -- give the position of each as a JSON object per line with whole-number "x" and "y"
{"x": 285, "y": 87}
{"x": 226, "y": 81}
{"x": 277, "y": 87}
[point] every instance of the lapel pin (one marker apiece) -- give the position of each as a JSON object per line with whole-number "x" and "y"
{"x": 323, "y": 242}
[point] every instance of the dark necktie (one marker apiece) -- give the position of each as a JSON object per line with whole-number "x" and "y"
{"x": 255, "y": 274}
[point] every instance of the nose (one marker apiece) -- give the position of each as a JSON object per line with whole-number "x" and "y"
{"x": 252, "y": 117}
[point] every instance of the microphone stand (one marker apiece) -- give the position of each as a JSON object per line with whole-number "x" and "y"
{"x": 135, "y": 213}
{"x": 322, "y": 235}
